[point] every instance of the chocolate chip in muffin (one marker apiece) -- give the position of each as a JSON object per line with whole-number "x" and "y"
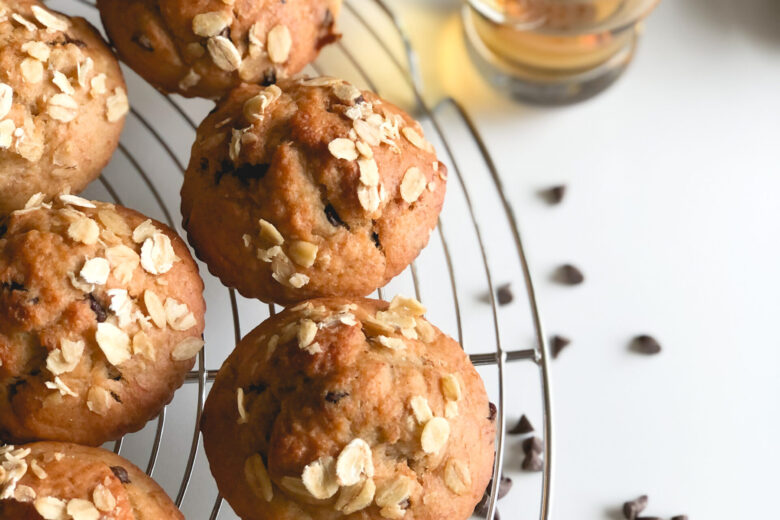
{"x": 492, "y": 411}
{"x": 333, "y": 217}
{"x": 558, "y": 343}
{"x": 269, "y": 77}
{"x": 568, "y": 274}
{"x": 13, "y": 285}
{"x": 336, "y": 396}
{"x": 553, "y": 195}
{"x": 504, "y": 294}
{"x": 632, "y": 508}
{"x": 97, "y": 308}
{"x": 523, "y": 426}
{"x": 645, "y": 344}
{"x": 3, "y": 229}
{"x": 121, "y": 473}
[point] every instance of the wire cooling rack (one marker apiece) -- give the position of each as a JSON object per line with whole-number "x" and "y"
{"x": 476, "y": 246}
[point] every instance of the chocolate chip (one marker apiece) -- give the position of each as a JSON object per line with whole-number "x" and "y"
{"x": 3, "y": 229}
{"x": 333, "y": 217}
{"x": 504, "y": 486}
{"x": 269, "y": 77}
{"x": 13, "y": 285}
{"x": 335, "y": 397}
{"x": 375, "y": 238}
{"x": 632, "y": 508}
{"x": 554, "y": 195}
{"x": 522, "y": 426}
{"x": 204, "y": 164}
{"x": 257, "y": 388}
{"x": 533, "y": 445}
{"x": 558, "y": 343}
{"x": 645, "y": 344}
{"x": 567, "y": 274}
{"x": 97, "y": 308}
{"x": 142, "y": 41}
{"x": 680, "y": 517}
{"x": 121, "y": 473}
{"x": 492, "y": 411}
{"x": 532, "y": 462}
{"x": 250, "y": 172}
{"x": 505, "y": 295}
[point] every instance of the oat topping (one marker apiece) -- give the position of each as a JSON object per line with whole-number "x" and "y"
{"x": 154, "y": 307}
{"x": 7, "y": 128}
{"x": 6, "y": 99}
{"x": 178, "y": 315}
{"x": 24, "y": 494}
{"x": 242, "y": 416}
{"x": 117, "y": 105}
{"x": 279, "y": 43}
{"x": 84, "y": 230}
{"x": 80, "y": 509}
{"x": 63, "y": 83}
{"x": 224, "y": 53}
{"x": 391, "y": 343}
{"x": 369, "y": 198}
{"x": 254, "y": 107}
{"x": 434, "y": 435}
{"x": 157, "y": 255}
{"x": 189, "y": 80}
{"x": 64, "y": 359}
{"x": 60, "y": 386}
{"x": 421, "y": 409}
{"x": 416, "y": 139}
{"x": 103, "y": 498}
{"x": 369, "y": 172}
{"x": 99, "y": 400}
{"x": 412, "y": 185}
{"x": 38, "y": 50}
{"x": 354, "y": 461}
{"x": 187, "y": 349}
{"x": 143, "y": 346}
{"x": 27, "y": 24}
{"x": 257, "y": 477}
{"x": 457, "y": 476}
{"x": 114, "y": 342}
{"x": 303, "y": 253}
{"x": 270, "y": 234}
{"x": 319, "y": 478}
{"x": 450, "y": 387}
{"x": 32, "y": 71}
{"x": 342, "y": 148}
{"x": 355, "y": 498}
{"x": 50, "y": 508}
{"x": 210, "y": 24}
{"x": 307, "y": 331}
{"x": 37, "y": 470}
{"x": 62, "y": 107}
{"x": 52, "y": 22}
{"x": 391, "y": 493}
{"x": 95, "y": 271}
{"x": 451, "y": 409}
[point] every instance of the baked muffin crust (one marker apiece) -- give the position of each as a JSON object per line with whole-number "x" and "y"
{"x": 341, "y": 408}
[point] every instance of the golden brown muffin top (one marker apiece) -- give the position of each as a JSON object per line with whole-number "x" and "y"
{"x": 356, "y": 408}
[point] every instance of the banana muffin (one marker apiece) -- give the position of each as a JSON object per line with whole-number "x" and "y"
{"x": 349, "y": 408}
{"x": 60, "y": 86}
{"x": 205, "y": 48}
{"x": 101, "y": 317}
{"x": 57, "y": 480}
{"x": 308, "y": 189}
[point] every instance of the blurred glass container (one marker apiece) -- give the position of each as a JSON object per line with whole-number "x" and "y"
{"x": 553, "y": 51}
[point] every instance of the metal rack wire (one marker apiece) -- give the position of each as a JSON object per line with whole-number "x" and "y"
{"x": 403, "y": 60}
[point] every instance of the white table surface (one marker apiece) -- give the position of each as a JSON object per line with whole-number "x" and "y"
{"x": 672, "y": 214}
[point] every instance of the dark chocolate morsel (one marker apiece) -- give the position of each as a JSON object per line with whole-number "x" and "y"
{"x": 557, "y": 344}
{"x": 121, "y": 473}
{"x": 568, "y": 274}
{"x": 504, "y": 294}
{"x": 533, "y": 445}
{"x": 522, "y": 426}
{"x": 645, "y": 344}
{"x": 632, "y": 508}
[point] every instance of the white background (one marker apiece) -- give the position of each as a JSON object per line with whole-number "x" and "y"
{"x": 673, "y": 215}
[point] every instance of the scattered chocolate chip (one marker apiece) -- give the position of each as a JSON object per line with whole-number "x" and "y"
{"x": 558, "y": 343}
{"x": 645, "y": 344}
{"x": 333, "y": 217}
{"x": 3, "y": 229}
{"x": 522, "y": 426}
{"x": 335, "y": 397}
{"x": 533, "y": 445}
{"x": 492, "y": 411}
{"x": 504, "y": 486}
{"x": 121, "y": 473}
{"x": 65, "y": 40}
{"x": 505, "y": 295}
{"x": 680, "y": 517}
{"x": 116, "y": 397}
{"x": 250, "y": 172}
{"x": 554, "y": 194}
{"x": 375, "y": 238}
{"x": 567, "y": 274}
{"x": 204, "y": 164}
{"x": 97, "y": 308}
{"x": 142, "y": 41}
{"x": 632, "y": 508}
{"x": 532, "y": 462}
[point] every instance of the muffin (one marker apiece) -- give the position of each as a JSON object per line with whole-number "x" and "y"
{"x": 205, "y": 48}
{"x": 57, "y": 480}
{"x": 308, "y": 189}
{"x": 349, "y": 408}
{"x": 60, "y": 86}
{"x": 101, "y": 317}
